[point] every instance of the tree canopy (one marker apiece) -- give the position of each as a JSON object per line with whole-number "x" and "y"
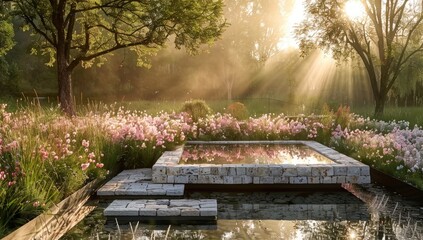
{"x": 6, "y": 29}
{"x": 385, "y": 37}
{"x": 75, "y": 32}
{"x": 6, "y": 43}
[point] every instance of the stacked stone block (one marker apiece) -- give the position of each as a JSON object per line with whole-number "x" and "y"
{"x": 163, "y": 208}
{"x": 137, "y": 182}
{"x": 343, "y": 169}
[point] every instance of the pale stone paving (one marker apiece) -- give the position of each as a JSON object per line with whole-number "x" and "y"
{"x": 137, "y": 182}
{"x": 163, "y": 208}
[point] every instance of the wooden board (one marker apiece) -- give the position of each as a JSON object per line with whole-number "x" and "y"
{"x": 58, "y": 219}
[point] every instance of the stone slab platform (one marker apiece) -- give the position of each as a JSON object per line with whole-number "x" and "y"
{"x": 343, "y": 169}
{"x": 163, "y": 209}
{"x": 136, "y": 183}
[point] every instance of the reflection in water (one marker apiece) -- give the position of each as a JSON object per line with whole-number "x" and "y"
{"x": 391, "y": 214}
{"x": 251, "y": 154}
{"x": 282, "y": 215}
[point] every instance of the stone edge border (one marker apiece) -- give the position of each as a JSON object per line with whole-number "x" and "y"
{"x": 344, "y": 170}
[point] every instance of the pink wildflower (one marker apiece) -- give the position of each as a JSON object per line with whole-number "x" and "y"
{"x": 91, "y": 155}
{"x": 2, "y": 175}
{"x": 85, "y": 143}
{"x": 99, "y": 165}
{"x": 12, "y": 146}
{"x": 84, "y": 166}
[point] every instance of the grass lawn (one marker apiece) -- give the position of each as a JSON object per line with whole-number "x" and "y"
{"x": 256, "y": 107}
{"x": 414, "y": 115}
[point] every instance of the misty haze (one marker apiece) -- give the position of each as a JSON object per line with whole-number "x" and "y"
{"x": 256, "y": 57}
{"x": 211, "y": 119}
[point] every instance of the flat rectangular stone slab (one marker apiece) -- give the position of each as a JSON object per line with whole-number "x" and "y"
{"x": 188, "y": 209}
{"x": 342, "y": 169}
{"x": 138, "y": 182}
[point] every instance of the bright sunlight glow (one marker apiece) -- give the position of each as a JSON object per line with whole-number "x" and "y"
{"x": 354, "y": 9}
{"x": 353, "y": 235}
{"x": 296, "y": 16}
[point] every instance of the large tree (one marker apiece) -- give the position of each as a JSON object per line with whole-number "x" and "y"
{"x": 385, "y": 36}
{"x": 78, "y": 32}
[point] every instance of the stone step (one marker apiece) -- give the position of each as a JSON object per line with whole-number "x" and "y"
{"x": 163, "y": 210}
{"x": 136, "y": 183}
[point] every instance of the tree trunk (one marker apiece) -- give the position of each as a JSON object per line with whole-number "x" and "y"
{"x": 65, "y": 85}
{"x": 229, "y": 86}
{"x": 380, "y": 105}
{"x": 229, "y": 93}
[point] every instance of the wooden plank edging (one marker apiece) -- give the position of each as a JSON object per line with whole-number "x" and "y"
{"x": 57, "y": 220}
{"x": 407, "y": 190}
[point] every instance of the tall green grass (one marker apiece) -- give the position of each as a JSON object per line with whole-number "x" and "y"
{"x": 41, "y": 157}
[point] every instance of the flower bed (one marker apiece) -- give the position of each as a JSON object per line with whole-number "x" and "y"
{"x": 45, "y": 156}
{"x": 391, "y": 147}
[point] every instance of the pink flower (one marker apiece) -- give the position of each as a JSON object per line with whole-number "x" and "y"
{"x": 12, "y": 146}
{"x": 91, "y": 155}
{"x": 36, "y": 204}
{"x": 85, "y": 143}
{"x": 84, "y": 166}
{"x": 44, "y": 154}
{"x": 99, "y": 165}
{"x": 2, "y": 175}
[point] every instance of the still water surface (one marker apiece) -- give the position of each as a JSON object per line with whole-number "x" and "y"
{"x": 356, "y": 212}
{"x": 251, "y": 154}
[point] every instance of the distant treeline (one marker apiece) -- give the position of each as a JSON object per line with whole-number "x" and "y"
{"x": 248, "y": 62}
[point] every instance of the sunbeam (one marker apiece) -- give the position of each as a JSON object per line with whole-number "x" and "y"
{"x": 315, "y": 76}
{"x": 295, "y": 17}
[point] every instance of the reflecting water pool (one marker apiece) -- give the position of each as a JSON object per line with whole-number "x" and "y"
{"x": 367, "y": 212}
{"x": 251, "y": 154}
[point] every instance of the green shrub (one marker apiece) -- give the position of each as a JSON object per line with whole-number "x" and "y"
{"x": 196, "y": 109}
{"x": 238, "y": 110}
{"x": 140, "y": 156}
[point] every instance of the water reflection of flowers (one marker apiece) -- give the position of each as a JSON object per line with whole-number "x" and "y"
{"x": 252, "y": 153}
